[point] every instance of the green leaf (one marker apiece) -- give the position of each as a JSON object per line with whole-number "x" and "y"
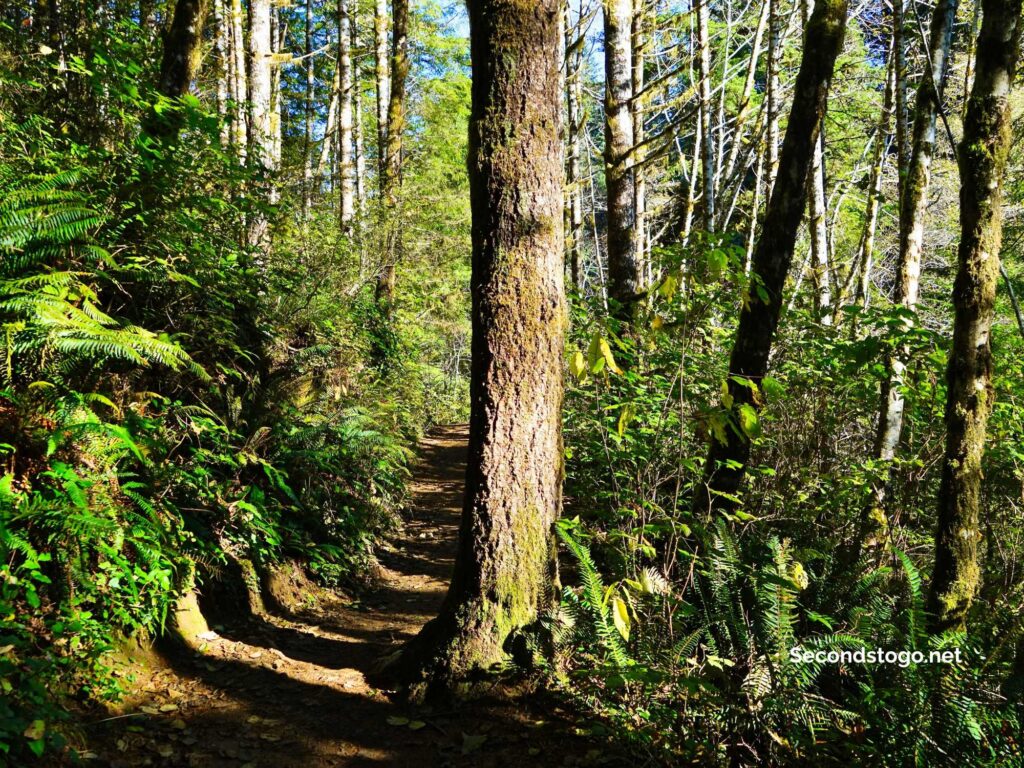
{"x": 472, "y": 742}
{"x": 606, "y": 353}
{"x": 35, "y": 731}
{"x": 749, "y": 422}
{"x": 620, "y": 616}
{"x": 578, "y": 365}
{"x": 626, "y": 415}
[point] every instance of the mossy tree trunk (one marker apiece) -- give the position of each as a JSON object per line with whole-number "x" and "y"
{"x": 982, "y": 157}
{"x": 624, "y": 276}
{"x": 773, "y": 256}
{"x": 382, "y": 79}
{"x": 575, "y": 44}
{"x": 182, "y": 47}
{"x": 913, "y": 210}
{"x": 179, "y": 66}
{"x": 506, "y": 566}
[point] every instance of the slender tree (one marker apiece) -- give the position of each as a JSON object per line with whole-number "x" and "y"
{"x": 309, "y": 113}
{"x": 357, "y": 117}
{"x": 392, "y": 163}
{"x": 624, "y": 274}
{"x": 913, "y": 205}
{"x": 382, "y": 78}
{"x": 505, "y": 565}
{"x": 239, "y": 81}
{"x": 970, "y": 394}
{"x": 261, "y": 104}
{"x": 818, "y": 225}
{"x": 708, "y": 175}
{"x": 346, "y": 144}
{"x": 759, "y": 317}
{"x": 575, "y": 41}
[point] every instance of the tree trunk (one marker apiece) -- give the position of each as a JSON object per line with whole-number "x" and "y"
{"x": 818, "y": 225}
{"x": 708, "y": 175}
{"x": 182, "y": 47}
{"x": 261, "y": 114}
{"x": 636, "y": 110}
{"x": 902, "y": 117}
{"x": 346, "y": 164}
{"x": 383, "y": 79}
{"x": 970, "y": 394}
{"x": 220, "y": 57}
{"x": 573, "y": 181}
{"x": 913, "y": 205}
{"x": 867, "y": 243}
{"x": 759, "y": 317}
{"x": 506, "y": 566}
{"x": 392, "y": 169}
{"x": 239, "y": 81}
{"x": 357, "y": 117}
{"x": 308, "y": 165}
{"x": 624, "y": 278}
{"x": 774, "y": 95}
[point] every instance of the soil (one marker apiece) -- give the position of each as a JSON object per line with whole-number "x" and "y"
{"x": 290, "y": 687}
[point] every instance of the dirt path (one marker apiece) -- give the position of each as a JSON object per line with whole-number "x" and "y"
{"x": 282, "y": 692}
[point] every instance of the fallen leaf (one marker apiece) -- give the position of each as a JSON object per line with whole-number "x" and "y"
{"x": 472, "y": 742}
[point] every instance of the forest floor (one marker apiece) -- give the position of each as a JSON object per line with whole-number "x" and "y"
{"x": 292, "y": 690}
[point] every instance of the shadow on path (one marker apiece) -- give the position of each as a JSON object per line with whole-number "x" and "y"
{"x": 280, "y": 692}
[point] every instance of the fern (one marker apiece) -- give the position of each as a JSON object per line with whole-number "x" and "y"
{"x": 593, "y": 598}
{"x": 49, "y": 309}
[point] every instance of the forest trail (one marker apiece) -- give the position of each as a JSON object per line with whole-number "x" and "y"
{"x": 281, "y": 691}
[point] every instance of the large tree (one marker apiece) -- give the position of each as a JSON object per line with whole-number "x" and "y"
{"x": 982, "y": 157}
{"x": 506, "y": 563}
{"x": 728, "y": 457}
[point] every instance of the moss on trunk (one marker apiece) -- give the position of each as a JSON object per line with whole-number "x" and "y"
{"x": 970, "y": 394}
{"x": 505, "y": 565}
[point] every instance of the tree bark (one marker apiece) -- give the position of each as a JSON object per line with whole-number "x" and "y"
{"x": 505, "y": 566}
{"x": 239, "y": 82}
{"x": 913, "y": 205}
{"x": 818, "y": 225}
{"x": 357, "y": 117}
{"x": 636, "y": 110}
{"x": 261, "y": 108}
{"x": 261, "y": 52}
{"x": 774, "y": 95}
{"x": 220, "y": 57}
{"x": 708, "y": 175}
{"x": 970, "y": 393}
{"x": 383, "y": 79}
{"x": 182, "y": 47}
{"x": 573, "y": 179}
{"x": 346, "y": 164}
{"x": 392, "y": 168}
{"x": 624, "y": 277}
{"x": 759, "y": 317}
{"x": 308, "y": 165}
